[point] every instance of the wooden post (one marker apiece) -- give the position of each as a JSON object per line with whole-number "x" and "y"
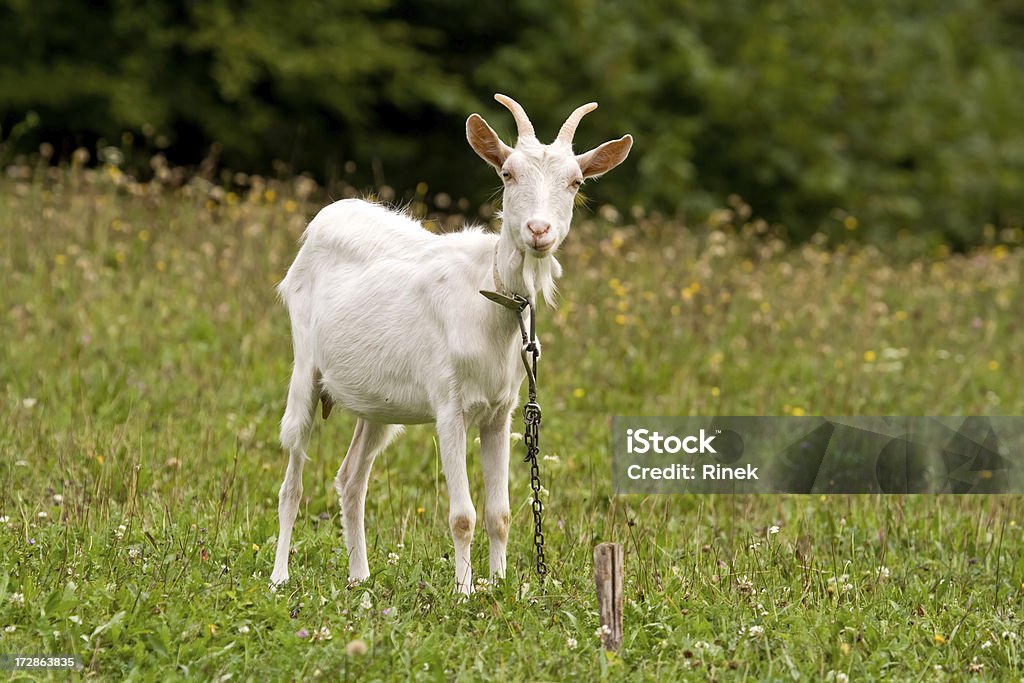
{"x": 608, "y": 577}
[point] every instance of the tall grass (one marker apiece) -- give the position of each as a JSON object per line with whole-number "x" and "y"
{"x": 143, "y": 375}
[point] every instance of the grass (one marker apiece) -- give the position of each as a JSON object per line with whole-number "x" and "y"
{"x": 144, "y": 371}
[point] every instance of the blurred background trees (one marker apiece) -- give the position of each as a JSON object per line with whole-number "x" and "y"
{"x": 880, "y": 116}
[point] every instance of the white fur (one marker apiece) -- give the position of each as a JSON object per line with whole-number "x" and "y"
{"x": 387, "y": 321}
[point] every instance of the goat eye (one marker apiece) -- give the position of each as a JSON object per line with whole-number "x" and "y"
{"x": 576, "y": 184}
{"x": 506, "y": 175}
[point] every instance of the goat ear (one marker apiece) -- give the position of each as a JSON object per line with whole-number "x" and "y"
{"x": 602, "y": 159}
{"x": 486, "y": 142}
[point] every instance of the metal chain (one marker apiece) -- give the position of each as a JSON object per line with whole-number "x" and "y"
{"x": 531, "y": 413}
{"x": 531, "y": 416}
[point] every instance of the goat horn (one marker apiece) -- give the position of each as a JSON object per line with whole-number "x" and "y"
{"x": 569, "y": 127}
{"x": 519, "y": 114}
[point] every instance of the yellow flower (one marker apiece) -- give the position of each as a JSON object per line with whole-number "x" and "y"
{"x": 993, "y": 365}
{"x": 901, "y": 315}
{"x": 420, "y": 510}
{"x": 850, "y": 223}
{"x": 231, "y": 198}
{"x": 269, "y": 196}
{"x": 939, "y": 639}
{"x": 578, "y": 392}
{"x": 869, "y": 356}
{"x": 143, "y": 235}
{"x": 59, "y": 259}
{"x": 290, "y": 206}
{"x": 798, "y": 412}
{"x": 620, "y": 319}
{"x": 716, "y": 392}
{"x": 255, "y": 548}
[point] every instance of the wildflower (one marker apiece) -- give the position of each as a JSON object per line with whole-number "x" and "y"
{"x": 1009, "y": 635}
{"x": 579, "y": 392}
{"x": 745, "y": 585}
{"x": 302, "y": 633}
{"x": 243, "y": 629}
{"x": 869, "y": 356}
{"x": 716, "y": 392}
{"x": 986, "y": 645}
{"x": 551, "y": 458}
{"x": 603, "y": 630}
{"x": 43, "y": 514}
{"x": 755, "y": 631}
{"x": 841, "y": 677}
{"x": 322, "y": 633}
{"x": 120, "y": 532}
{"x": 975, "y": 667}
{"x": 571, "y": 643}
{"x": 773, "y": 529}
{"x": 393, "y": 558}
{"x": 389, "y": 611}
{"x": 255, "y": 548}
{"x": 939, "y": 639}
{"x": 29, "y": 402}
{"x": 58, "y": 499}
{"x": 10, "y": 629}
{"x": 18, "y": 599}
{"x": 366, "y": 602}
{"x": 482, "y": 584}
{"x": 356, "y": 648}
{"x": 883, "y": 573}
{"x": 4, "y": 519}
{"x": 133, "y": 552}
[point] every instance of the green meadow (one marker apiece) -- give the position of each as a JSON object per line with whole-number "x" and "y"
{"x": 143, "y": 373}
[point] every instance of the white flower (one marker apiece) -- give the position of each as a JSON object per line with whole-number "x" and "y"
{"x": 18, "y": 599}
{"x": 29, "y": 402}
{"x": 322, "y": 633}
{"x": 571, "y": 643}
{"x": 883, "y": 572}
{"x": 551, "y": 458}
{"x": 42, "y": 514}
{"x": 755, "y": 631}
{"x": 10, "y": 629}
{"x": 773, "y": 529}
{"x": 400, "y": 546}
{"x": 603, "y": 630}
{"x": 75, "y": 619}
{"x": 4, "y": 519}
{"x": 243, "y": 629}
{"x": 393, "y": 558}
{"x": 986, "y": 645}
{"x": 841, "y": 677}
{"x": 1009, "y": 635}
{"x": 133, "y": 552}
{"x": 58, "y": 499}
{"x": 120, "y": 531}
{"x": 523, "y": 590}
{"x": 366, "y": 602}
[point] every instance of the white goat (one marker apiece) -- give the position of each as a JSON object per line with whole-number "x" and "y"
{"x": 388, "y": 322}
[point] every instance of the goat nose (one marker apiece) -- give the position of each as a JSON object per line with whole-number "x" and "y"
{"x": 538, "y": 228}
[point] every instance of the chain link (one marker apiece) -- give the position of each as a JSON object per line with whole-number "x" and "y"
{"x": 531, "y": 416}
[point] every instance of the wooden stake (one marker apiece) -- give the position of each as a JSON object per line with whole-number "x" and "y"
{"x": 608, "y": 578}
